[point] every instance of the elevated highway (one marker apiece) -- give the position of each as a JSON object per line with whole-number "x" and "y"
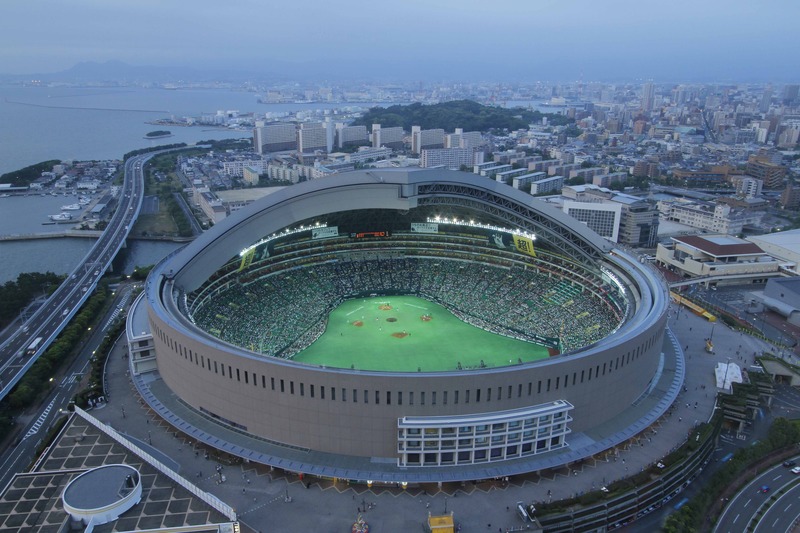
{"x": 53, "y": 316}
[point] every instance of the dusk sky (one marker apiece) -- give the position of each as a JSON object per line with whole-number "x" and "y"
{"x": 528, "y": 40}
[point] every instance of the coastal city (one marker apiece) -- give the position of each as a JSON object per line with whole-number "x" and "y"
{"x": 374, "y": 269}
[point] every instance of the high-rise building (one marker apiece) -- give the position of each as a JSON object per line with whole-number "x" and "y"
{"x": 277, "y": 137}
{"x": 421, "y": 139}
{"x": 311, "y": 137}
{"x": 350, "y": 135}
{"x": 648, "y": 96}
{"x": 790, "y": 93}
{"x": 388, "y": 137}
{"x": 461, "y": 139}
{"x": 766, "y": 99}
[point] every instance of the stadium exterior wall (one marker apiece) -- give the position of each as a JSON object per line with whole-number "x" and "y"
{"x": 314, "y": 408}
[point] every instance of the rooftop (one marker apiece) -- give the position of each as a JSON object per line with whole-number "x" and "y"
{"x": 720, "y": 245}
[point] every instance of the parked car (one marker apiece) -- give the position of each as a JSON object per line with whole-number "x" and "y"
{"x": 789, "y": 464}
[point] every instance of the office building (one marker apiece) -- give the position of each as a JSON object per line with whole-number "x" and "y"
{"x": 601, "y": 218}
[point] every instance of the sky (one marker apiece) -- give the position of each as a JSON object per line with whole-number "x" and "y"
{"x": 467, "y": 40}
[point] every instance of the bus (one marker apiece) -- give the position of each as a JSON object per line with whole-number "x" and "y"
{"x": 32, "y": 347}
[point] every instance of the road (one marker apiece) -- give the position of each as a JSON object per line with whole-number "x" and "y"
{"x": 783, "y": 513}
{"x": 187, "y": 211}
{"x": 744, "y": 506}
{"x": 16, "y": 458}
{"x": 52, "y": 317}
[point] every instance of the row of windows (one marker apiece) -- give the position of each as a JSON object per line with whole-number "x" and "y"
{"x": 497, "y": 453}
{"x": 355, "y": 395}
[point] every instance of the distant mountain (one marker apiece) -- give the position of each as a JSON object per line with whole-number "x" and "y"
{"x": 120, "y": 72}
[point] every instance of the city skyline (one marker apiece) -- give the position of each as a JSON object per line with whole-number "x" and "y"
{"x": 468, "y": 40}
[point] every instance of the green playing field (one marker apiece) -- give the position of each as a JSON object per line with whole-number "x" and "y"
{"x": 406, "y": 334}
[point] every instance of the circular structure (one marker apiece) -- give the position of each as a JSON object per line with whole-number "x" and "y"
{"x": 236, "y": 315}
{"x": 102, "y": 494}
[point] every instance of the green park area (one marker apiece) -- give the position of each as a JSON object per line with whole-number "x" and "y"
{"x": 410, "y": 334}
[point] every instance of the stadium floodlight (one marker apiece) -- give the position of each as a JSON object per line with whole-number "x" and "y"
{"x": 439, "y": 220}
{"x": 284, "y": 233}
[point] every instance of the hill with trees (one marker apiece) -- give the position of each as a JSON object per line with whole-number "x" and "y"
{"x": 25, "y": 176}
{"x": 466, "y": 114}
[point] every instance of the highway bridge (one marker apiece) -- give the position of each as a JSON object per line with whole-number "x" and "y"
{"x": 54, "y": 315}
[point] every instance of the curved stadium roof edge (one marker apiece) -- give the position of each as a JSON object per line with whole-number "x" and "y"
{"x": 387, "y": 189}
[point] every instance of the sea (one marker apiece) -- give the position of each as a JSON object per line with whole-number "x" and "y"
{"x": 71, "y": 123}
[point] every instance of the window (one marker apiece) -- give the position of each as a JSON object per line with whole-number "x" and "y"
{"x": 272, "y": 383}
{"x": 399, "y": 397}
{"x": 291, "y": 387}
{"x": 238, "y": 377}
{"x": 302, "y": 389}
{"x": 246, "y": 377}
{"x": 282, "y": 387}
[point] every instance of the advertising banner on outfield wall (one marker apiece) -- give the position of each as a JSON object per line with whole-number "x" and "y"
{"x": 424, "y": 227}
{"x": 324, "y": 233}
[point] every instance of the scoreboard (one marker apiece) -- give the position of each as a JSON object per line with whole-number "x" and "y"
{"x": 371, "y": 234}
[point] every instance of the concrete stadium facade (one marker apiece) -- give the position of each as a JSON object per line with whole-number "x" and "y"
{"x": 354, "y": 424}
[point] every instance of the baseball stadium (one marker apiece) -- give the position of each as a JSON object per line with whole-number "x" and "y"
{"x": 405, "y": 326}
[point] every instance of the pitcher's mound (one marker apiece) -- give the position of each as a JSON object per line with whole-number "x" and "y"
{"x": 385, "y": 307}
{"x": 399, "y": 334}
{"x": 358, "y": 323}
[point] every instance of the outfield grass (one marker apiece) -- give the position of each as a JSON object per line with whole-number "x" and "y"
{"x": 409, "y": 343}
